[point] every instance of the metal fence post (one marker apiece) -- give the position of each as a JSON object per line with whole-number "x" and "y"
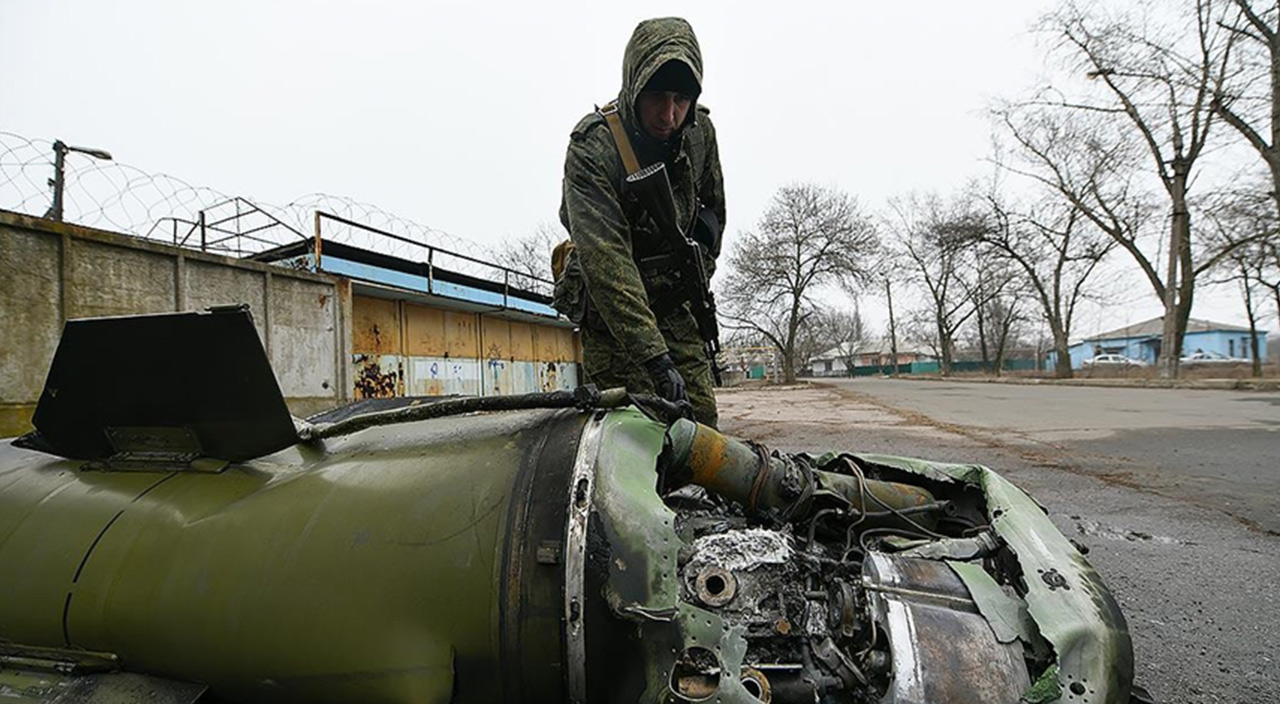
{"x": 317, "y": 240}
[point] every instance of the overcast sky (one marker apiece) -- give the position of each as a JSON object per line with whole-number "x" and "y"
{"x": 456, "y": 115}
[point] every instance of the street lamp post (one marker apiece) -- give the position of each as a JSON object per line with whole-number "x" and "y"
{"x": 60, "y": 150}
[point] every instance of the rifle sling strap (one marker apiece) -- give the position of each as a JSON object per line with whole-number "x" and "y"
{"x": 614, "y": 120}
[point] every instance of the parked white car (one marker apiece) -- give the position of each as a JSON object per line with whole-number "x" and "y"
{"x": 1202, "y": 357}
{"x": 1112, "y": 360}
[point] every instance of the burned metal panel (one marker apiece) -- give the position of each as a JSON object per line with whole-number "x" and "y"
{"x": 377, "y": 376}
{"x": 1066, "y": 597}
{"x": 943, "y": 649}
{"x": 643, "y": 580}
{"x": 441, "y": 376}
{"x": 375, "y": 329}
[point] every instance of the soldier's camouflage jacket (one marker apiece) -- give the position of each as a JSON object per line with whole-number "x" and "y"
{"x": 610, "y": 232}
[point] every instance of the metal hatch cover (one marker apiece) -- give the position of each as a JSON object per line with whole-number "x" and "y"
{"x": 194, "y": 384}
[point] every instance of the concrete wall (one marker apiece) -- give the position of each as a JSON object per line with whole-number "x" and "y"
{"x": 51, "y": 272}
{"x": 401, "y": 348}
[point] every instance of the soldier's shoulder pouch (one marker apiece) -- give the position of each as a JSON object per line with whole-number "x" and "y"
{"x": 569, "y": 296}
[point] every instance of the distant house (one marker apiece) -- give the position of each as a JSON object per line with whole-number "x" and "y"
{"x": 739, "y": 363}
{"x": 879, "y": 353}
{"x": 875, "y": 353}
{"x": 1141, "y": 341}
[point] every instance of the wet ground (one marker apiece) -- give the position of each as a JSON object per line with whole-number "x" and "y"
{"x": 1173, "y": 491}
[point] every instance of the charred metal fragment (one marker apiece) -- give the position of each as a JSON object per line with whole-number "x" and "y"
{"x": 582, "y": 547}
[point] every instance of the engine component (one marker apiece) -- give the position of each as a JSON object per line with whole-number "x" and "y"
{"x": 774, "y": 486}
{"x": 481, "y": 552}
{"x": 941, "y": 648}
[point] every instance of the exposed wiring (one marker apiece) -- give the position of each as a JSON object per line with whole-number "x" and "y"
{"x": 897, "y": 512}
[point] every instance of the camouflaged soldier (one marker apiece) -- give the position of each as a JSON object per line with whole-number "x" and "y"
{"x": 618, "y": 281}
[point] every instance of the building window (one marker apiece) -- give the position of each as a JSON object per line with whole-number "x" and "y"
{"x": 1245, "y": 350}
{"x": 1231, "y": 348}
{"x": 828, "y": 363}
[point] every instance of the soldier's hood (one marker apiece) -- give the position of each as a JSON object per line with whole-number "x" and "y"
{"x": 654, "y": 43}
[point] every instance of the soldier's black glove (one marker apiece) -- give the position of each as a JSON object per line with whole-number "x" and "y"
{"x": 666, "y": 379}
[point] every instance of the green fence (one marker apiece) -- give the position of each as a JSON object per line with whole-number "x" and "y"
{"x": 1010, "y": 365}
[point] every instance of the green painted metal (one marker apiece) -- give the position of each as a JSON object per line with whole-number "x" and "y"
{"x": 373, "y": 567}
{"x": 35, "y": 686}
{"x": 1007, "y": 614}
{"x": 643, "y": 577}
{"x": 395, "y": 564}
{"x": 1066, "y": 597}
{"x": 1010, "y": 365}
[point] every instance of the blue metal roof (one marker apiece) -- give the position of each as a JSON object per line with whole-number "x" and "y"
{"x": 413, "y": 282}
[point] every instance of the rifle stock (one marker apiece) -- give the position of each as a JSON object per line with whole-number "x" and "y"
{"x": 652, "y": 187}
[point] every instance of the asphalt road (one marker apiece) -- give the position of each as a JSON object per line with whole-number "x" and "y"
{"x": 1174, "y": 492}
{"x": 1217, "y": 449}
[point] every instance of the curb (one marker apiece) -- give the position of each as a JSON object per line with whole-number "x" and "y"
{"x": 1194, "y": 384}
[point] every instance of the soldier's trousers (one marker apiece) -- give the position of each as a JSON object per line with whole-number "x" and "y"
{"x": 607, "y": 365}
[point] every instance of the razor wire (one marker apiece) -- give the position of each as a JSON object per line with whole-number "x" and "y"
{"x": 119, "y": 197}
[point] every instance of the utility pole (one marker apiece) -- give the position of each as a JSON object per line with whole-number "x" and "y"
{"x": 893, "y": 330}
{"x": 58, "y": 182}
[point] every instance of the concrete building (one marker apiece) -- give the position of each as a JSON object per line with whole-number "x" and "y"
{"x": 1141, "y": 342}
{"x": 337, "y": 323}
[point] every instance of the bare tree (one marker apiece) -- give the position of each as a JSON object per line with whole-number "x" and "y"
{"x": 1057, "y": 250}
{"x": 529, "y": 257}
{"x": 810, "y": 236}
{"x": 994, "y": 287}
{"x": 1270, "y": 276}
{"x": 935, "y": 238}
{"x": 1006, "y": 318}
{"x": 811, "y": 340}
{"x": 995, "y": 326}
{"x": 1254, "y": 267}
{"x": 1249, "y": 100}
{"x": 1248, "y": 97}
{"x": 845, "y": 332}
{"x": 1158, "y": 80}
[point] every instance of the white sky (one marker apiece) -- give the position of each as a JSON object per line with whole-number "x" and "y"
{"x": 456, "y": 115}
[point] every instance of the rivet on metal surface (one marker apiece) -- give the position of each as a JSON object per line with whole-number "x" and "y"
{"x": 1054, "y": 580}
